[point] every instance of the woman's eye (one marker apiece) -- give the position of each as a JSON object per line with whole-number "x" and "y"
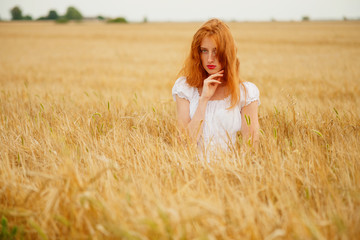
{"x": 204, "y": 50}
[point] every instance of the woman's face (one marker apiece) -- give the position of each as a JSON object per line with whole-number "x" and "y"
{"x": 208, "y": 53}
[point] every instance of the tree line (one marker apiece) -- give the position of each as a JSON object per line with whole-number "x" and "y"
{"x": 71, "y": 14}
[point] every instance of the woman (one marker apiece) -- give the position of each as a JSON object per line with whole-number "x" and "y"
{"x": 212, "y": 103}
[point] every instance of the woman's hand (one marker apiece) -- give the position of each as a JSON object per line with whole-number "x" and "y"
{"x": 210, "y": 85}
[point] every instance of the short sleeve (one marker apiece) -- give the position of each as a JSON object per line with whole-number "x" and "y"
{"x": 182, "y": 89}
{"x": 252, "y": 94}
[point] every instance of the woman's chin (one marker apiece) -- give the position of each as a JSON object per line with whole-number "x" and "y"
{"x": 212, "y": 71}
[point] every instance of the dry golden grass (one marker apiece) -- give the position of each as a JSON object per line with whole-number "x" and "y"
{"x": 89, "y": 145}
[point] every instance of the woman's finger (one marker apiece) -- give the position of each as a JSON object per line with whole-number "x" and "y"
{"x": 212, "y": 81}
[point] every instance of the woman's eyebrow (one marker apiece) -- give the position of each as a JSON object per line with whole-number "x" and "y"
{"x": 206, "y": 47}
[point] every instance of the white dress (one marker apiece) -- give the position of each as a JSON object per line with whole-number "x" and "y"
{"x": 220, "y": 125}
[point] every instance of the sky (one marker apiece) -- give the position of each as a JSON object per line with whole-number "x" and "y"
{"x": 192, "y": 10}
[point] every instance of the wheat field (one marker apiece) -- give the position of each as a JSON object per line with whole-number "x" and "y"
{"x": 90, "y": 149}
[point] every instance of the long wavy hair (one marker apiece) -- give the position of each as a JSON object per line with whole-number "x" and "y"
{"x": 226, "y": 53}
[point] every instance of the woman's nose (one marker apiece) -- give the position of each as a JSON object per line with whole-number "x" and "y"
{"x": 211, "y": 57}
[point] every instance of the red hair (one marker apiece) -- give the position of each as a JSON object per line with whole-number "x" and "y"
{"x": 226, "y": 52}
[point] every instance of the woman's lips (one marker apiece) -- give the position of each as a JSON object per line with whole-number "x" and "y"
{"x": 211, "y": 66}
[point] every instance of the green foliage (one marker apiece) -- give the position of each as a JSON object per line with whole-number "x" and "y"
{"x": 16, "y": 13}
{"x": 42, "y": 18}
{"x": 6, "y": 232}
{"x": 248, "y": 120}
{"x": 317, "y": 132}
{"x": 38, "y": 229}
{"x": 27, "y": 18}
{"x": 101, "y": 18}
{"x": 73, "y": 14}
{"x": 337, "y": 113}
{"x": 305, "y": 18}
{"x": 117, "y": 20}
{"x": 52, "y": 15}
{"x": 62, "y": 20}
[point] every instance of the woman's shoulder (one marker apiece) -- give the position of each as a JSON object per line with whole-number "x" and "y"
{"x": 249, "y": 86}
{"x": 183, "y": 89}
{"x": 181, "y": 81}
{"x": 250, "y": 94}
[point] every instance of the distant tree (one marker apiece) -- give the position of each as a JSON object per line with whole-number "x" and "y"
{"x": 101, "y": 18}
{"x": 27, "y": 18}
{"x": 52, "y": 15}
{"x": 305, "y": 18}
{"x": 117, "y": 20}
{"x": 62, "y": 20}
{"x": 41, "y": 18}
{"x": 73, "y": 14}
{"x": 16, "y": 13}
{"x": 345, "y": 18}
{"x": 145, "y": 20}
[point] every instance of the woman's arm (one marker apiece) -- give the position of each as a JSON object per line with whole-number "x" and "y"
{"x": 250, "y": 124}
{"x": 193, "y": 126}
